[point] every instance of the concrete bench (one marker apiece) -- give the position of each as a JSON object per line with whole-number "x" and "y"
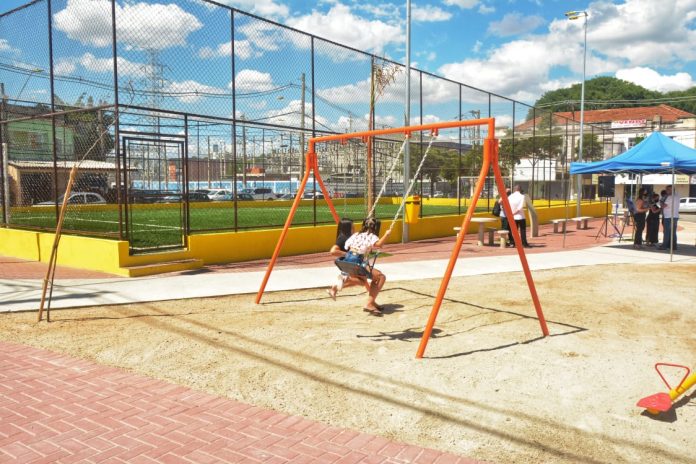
{"x": 490, "y": 231}
{"x": 581, "y": 222}
{"x": 556, "y": 222}
{"x": 503, "y": 234}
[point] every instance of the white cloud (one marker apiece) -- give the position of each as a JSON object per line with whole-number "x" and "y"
{"x": 651, "y": 79}
{"x": 503, "y": 120}
{"x": 266, "y": 8}
{"x": 341, "y": 25}
{"x": 190, "y": 91}
{"x": 89, "y": 62}
{"x": 429, "y": 13}
{"x": 105, "y": 65}
{"x": 64, "y": 67}
{"x": 434, "y": 91}
{"x": 6, "y": 47}
{"x": 379, "y": 10}
{"x": 464, "y": 4}
{"x": 138, "y": 25}
{"x": 620, "y": 36}
{"x": 485, "y": 9}
{"x": 638, "y": 32}
{"x": 242, "y": 50}
{"x": 250, "y": 80}
{"x": 514, "y": 24}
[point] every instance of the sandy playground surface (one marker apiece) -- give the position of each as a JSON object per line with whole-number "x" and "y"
{"x": 490, "y": 388}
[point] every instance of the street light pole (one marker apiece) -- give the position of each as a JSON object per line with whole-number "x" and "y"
{"x": 572, "y": 15}
{"x": 407, "y": 117}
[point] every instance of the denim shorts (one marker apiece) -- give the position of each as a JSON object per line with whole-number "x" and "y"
{"x": 353, "y": 258}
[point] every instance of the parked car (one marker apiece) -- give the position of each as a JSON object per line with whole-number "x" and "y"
{"x": 309, "y": 195}
{"x": 287, "y": 196}
{"x": 687, "y": 205}
{"x": 172, "y": 198}
{"x": 220, "y": 195}
{"x": 260, "y": 193}
{"x": 244, "y": 197}
{"x": 77, "y": 198}
{"x": 197, "y": 195}
{"x": 145, "y": 196}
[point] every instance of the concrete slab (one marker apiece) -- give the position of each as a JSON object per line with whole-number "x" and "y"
{"x": 24, "y": 294}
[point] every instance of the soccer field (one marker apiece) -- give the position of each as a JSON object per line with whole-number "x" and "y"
{"x": 151, "y": 226}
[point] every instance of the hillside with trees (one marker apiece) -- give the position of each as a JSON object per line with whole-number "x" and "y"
{"x": 609, "y": 92}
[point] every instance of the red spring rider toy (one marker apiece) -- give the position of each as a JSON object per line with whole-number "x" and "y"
{"x": 661, "y": 402}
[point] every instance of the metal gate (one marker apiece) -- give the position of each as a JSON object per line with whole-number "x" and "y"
{"x": 154, "y": 210}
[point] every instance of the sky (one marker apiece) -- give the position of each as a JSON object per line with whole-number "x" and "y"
{"x": 518, "y": 49}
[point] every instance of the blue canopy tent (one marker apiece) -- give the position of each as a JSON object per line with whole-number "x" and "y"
{"x": 657, "y": 154}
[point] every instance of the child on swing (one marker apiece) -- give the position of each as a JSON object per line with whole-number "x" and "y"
{"x": 357, "y": 247}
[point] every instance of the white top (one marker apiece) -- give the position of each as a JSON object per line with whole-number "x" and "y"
{"x": 361, "y": 242}
{"x": 517, "y": 205}
{"x": 502, "y": 210}
{"x": 667, "y": 207}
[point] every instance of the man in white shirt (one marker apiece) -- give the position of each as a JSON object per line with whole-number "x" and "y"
{"x": 517, "y": 205}
{"x": 670, "y": 219}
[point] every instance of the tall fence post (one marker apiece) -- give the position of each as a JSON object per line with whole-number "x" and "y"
{"x": 121, "y": 190}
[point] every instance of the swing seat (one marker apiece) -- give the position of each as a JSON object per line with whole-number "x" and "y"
{"x": 353, "y": 269}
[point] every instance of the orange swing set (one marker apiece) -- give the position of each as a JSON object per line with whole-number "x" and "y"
{"x": 490, "y": 159}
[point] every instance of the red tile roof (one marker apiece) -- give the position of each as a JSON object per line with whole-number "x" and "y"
{"x": 669, "y": 114}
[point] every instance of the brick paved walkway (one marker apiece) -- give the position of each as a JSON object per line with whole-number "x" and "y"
{"x": 54, "y": 408}
{"x": 436, "y": 248}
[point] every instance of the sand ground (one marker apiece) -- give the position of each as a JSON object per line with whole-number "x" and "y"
{"x": 489, "y": 388}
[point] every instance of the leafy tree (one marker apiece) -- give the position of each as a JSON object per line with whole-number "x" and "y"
{"x": 90, "y": 127}
{"x": 592, "y": 149}
{"x": 602, "y": 88}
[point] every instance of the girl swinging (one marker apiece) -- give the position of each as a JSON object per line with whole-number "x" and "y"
{"x": 358, "y": 246}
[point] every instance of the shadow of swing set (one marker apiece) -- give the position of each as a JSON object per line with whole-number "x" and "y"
{"x": 490, "y": 159}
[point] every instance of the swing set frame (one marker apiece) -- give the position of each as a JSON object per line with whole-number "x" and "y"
{"x": 490, "y": 159}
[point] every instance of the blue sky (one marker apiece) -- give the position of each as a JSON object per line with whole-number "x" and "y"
{"x": 515, "y": 48}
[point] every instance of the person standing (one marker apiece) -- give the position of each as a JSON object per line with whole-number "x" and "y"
{"x": 641, "y": 208}
{"x": 670, "y": 219}
{"x": 517, "y": 206}
{"x": 653, "y": 221}
{"x": 504, "y": 224}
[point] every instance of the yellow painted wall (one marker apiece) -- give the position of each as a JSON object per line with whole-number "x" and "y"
{"x": 23, "y": 244}
{"x": 112, "y": 256}
{"x": 83, "y": 252}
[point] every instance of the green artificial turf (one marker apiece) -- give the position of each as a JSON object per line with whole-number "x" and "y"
{"x": 157, "y": 226}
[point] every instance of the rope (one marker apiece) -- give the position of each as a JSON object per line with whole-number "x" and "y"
{"x": 387, "y": 178}
{"x": 433, "y": 135}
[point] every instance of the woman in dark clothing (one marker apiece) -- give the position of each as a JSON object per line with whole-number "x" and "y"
{"x": 653, "y": 221}
{"x": 641, "y": 204}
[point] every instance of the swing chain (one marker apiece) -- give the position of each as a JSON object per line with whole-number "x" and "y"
{"x": 433, "y": 136}
{"x": 387, "y": 178}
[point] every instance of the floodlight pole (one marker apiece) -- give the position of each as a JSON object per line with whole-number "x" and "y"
{"x": 407, "y": 116}
{"x": 572, "y": 15}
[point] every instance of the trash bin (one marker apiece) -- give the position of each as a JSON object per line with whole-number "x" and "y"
{"x": 412, "y": 209}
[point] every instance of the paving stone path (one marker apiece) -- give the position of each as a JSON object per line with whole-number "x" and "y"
{"x": 55, "y": 408}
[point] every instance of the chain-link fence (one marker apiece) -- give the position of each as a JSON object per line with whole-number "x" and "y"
{"x": 188, "y": 117}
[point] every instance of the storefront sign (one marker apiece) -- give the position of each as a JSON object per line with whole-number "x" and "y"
{"x": 628, "y": 123}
